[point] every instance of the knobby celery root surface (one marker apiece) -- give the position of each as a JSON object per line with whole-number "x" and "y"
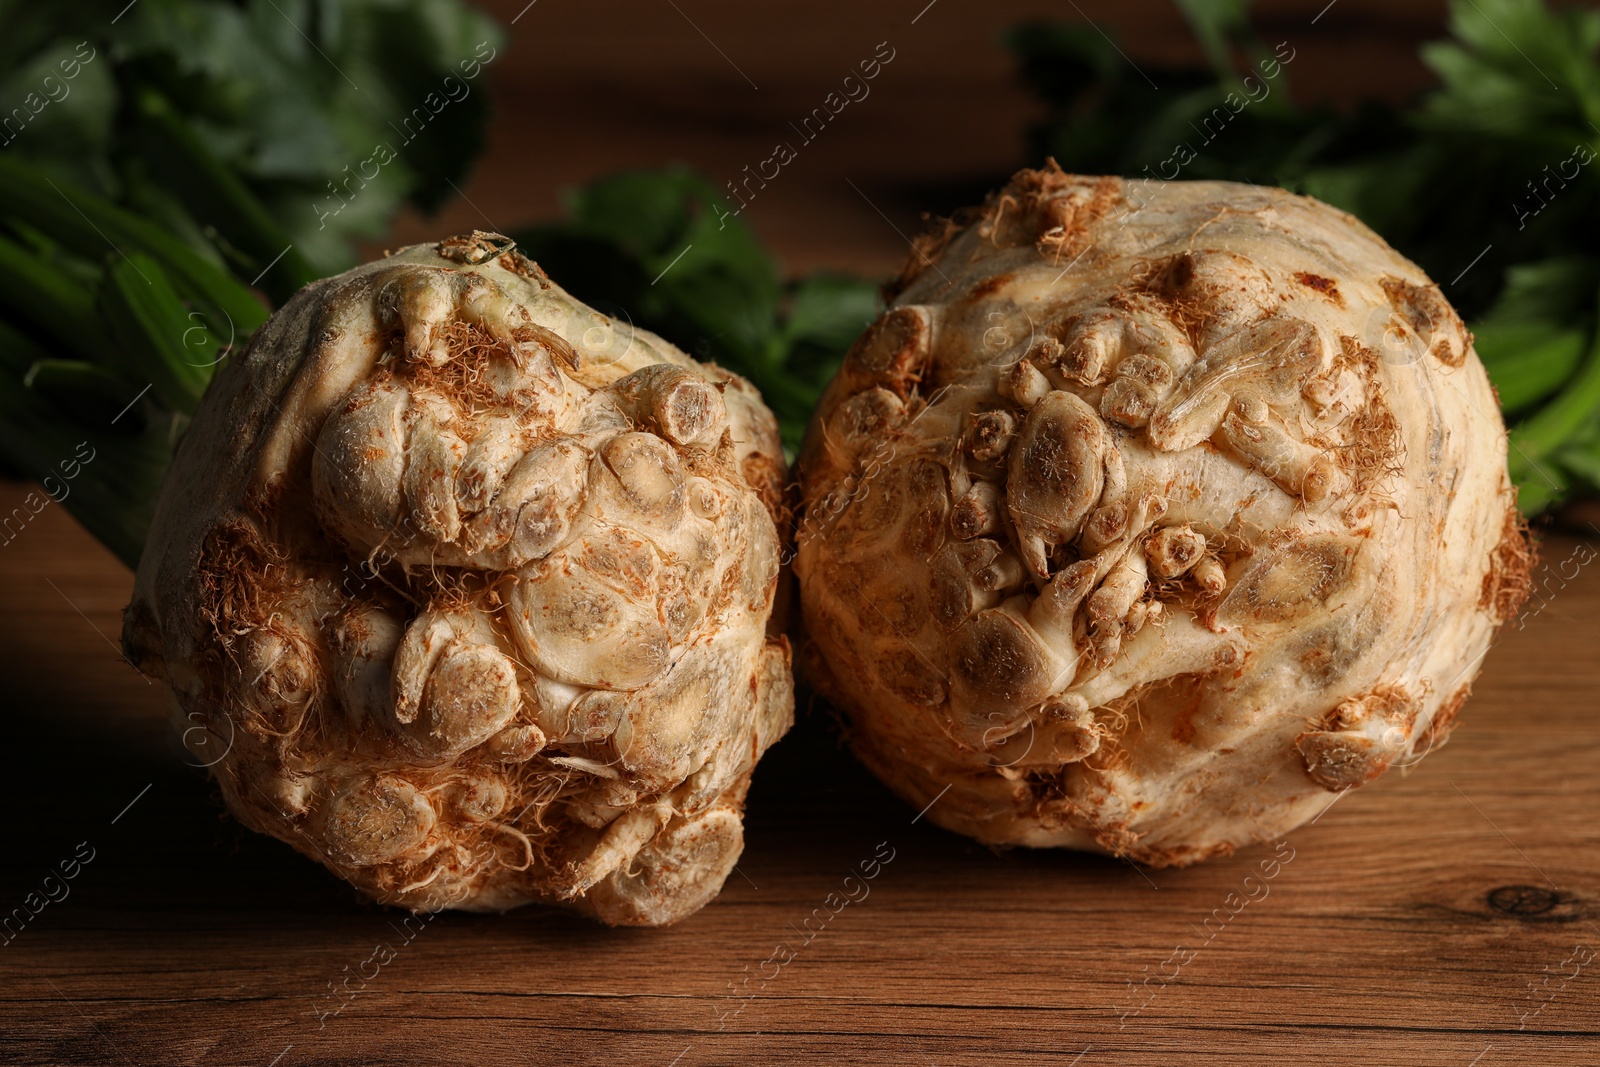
{"x": 1151, "y": 517}
{"x": 463, "y": 588}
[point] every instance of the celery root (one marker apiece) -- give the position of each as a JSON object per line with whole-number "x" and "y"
{"x": 462, "y": 589}
{"x": 1149, "y": 518}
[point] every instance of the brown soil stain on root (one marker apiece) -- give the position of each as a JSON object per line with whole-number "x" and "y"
{"x": 1374, "y": 450}
{"x": 989, "y": 287}
{"x": 1326, "y": 286}
{"x": 1510, "y": 577}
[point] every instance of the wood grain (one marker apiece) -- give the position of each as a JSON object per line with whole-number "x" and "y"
{"x": 1392, "y": 937}
{"x": 1388, "y": 937}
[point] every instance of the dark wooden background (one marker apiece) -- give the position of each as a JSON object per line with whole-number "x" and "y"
{"x": 586, "y": 89}
{"x": 1446, "y": 917}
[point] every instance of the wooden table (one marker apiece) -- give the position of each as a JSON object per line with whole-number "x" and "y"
{"x": 1441, "y": 918}
{"x": 1446, "y": 917}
